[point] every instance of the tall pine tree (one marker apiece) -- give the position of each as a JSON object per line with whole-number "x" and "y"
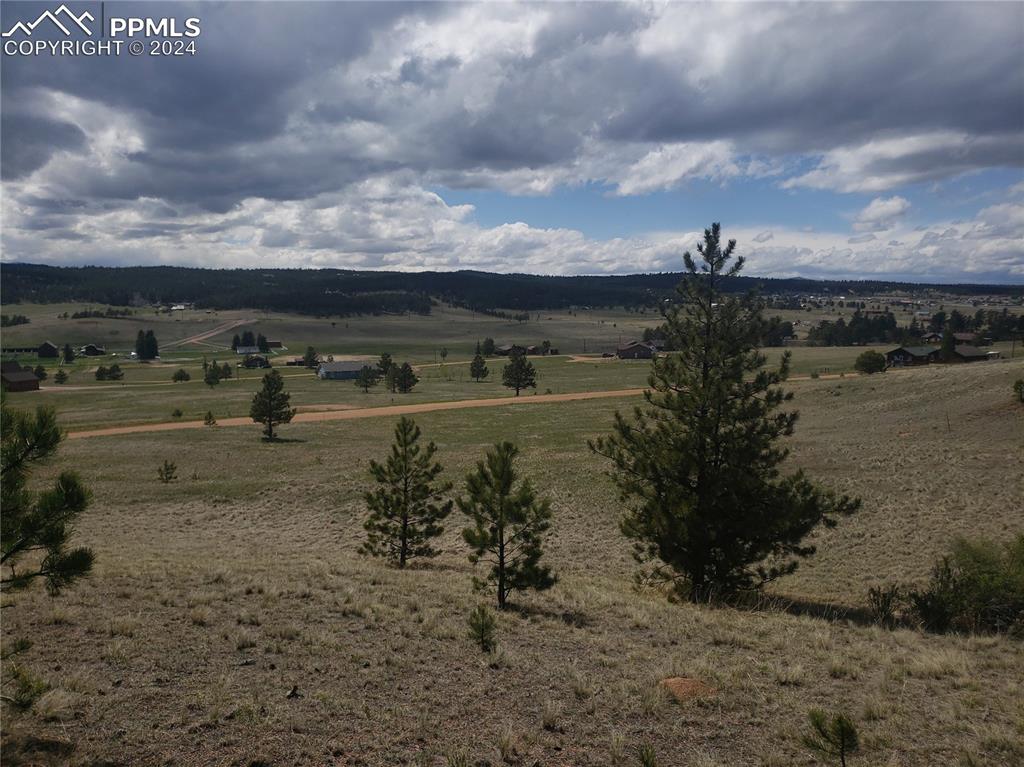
{"x": 271, "y": 405}
{"x": 700, "y": 464}
{"x": 509, "y": 523}
{"x": 409, "y": 505}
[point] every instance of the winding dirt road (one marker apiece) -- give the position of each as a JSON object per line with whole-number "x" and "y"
{"x": 363, "y": 412}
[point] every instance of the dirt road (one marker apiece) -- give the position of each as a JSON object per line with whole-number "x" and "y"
{"x": 222, "y": 328}
{"x": 363, "y": 412}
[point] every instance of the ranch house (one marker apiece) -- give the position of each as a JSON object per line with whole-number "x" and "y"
{"x": 339, "y": 371}
{"x": 910, "y": 355}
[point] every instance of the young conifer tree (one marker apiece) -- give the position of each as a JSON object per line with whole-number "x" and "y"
{"x": 519, "y": 374}
{"x": 409, "y": 504}
{"x": 700, "y": 465}
{"x": 478, "y": 368}
{"x": 271, "y": 405}
{"x": 508, "y": 527}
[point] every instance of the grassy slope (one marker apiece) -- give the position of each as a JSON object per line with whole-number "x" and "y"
{"x": 251, "y": 556}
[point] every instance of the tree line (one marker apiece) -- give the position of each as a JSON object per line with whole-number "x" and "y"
{"x": 345, "y": 292}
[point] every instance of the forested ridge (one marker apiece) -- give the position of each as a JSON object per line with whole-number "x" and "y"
{"x": 346, "y": 292}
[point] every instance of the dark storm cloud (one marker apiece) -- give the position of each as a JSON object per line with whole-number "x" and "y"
{"x": 29, "y": 141}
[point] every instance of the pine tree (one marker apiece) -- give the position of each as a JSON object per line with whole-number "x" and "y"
{"x": 405, "y": 378}
{"x": 700, "y": 463}
{"x": 271, "y": 405}
{"x": 152, "y": 349}
{"x": 60, "y": 377}
{"x": 310, "y": 358}
{"x": 508, "y": 525}
{"x": 261, "y": 343}
{"x": 832, "y": 736}
{"x": 212, "y": 375}
{"x": 366, "y": 378}
{"x": 478, "y": 368}
{"x": 409, "y": 505}
{"x": 488, "y": 347}
{"x": 140, "y": 345}
{"x": 519, "y": 374}
{"x": 235, "y": 342}
{"x": 69, "y": 353}
{"x": 40, "y": 372}
{"x": 948, "y": 345}
{"x": 38, "y": 525}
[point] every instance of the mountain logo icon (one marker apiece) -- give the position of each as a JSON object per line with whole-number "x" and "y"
{"x": 69, "y": 21}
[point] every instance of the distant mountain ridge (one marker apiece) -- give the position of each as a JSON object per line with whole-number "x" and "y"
{"x": 342, "y": 291}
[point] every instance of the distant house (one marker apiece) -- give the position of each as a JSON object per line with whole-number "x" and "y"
{"x": 14, "y": 378}
{"x": 971, "y": 339}
{"x": 255, "y": 361}
{"x": 247, "y": 350}
{"x": 533, "y": 350}
{"x": 967, "y": 353}
{"x": 48, "y": 350}
{"x": 296, "y": 362}
{"x": 340, "y": 371}
{"x": 92, "y": 350}
{"x": 906, "y": 356}
{"x": 507, "y": 350}
{"x": 635, "y": 350}
{"x": 274, "y": 344}
{"x": 932, "y": 338}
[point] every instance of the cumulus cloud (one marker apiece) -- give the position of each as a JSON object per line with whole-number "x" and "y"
{"x": 313, "y": 133}
{"x": 881, "y": 213}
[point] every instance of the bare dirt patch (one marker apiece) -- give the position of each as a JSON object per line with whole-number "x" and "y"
{"x": 684, "y": 688}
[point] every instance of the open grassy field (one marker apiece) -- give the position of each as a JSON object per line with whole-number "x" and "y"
{"x": 216, "y": 595}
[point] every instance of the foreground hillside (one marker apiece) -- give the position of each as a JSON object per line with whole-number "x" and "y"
{"x": 219, "y": 594}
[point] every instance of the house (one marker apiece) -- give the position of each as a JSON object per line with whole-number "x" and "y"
{"x": 340, "y": 371}
{"x": 296, "y": 362}
{"x": 967, "y": 353}
{"x": 274, "y": 344}
{"x": 971, "y": 339}
{"x": 635, "y": 350}
{"x": 254, "y": 361}
{"x": 507, "y": 350}
{"x": 905, "y": 356}
{"x": 932, "y": 338}
{"x": 92, "y": 350}
{"x": 533, "y": 350}
{"x": 15, "y": 378}
{"x": 247, "y": 350}
{"x": 48, "y": 350}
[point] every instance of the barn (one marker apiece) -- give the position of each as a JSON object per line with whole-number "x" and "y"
{"x": 48, "y": 350}
{"x": 15, "y": 378}
{"x": 340, "y": 371}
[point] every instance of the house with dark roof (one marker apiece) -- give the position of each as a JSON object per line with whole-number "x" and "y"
{"x": 635, "y": 350}
{"x": 15, "y": 378}
{"x": 340, "y": 371}
{"x": 254, "y": 361}
{"x": 48, "y": 350}
{"x": 967, "y": 353}
{"x": 507, "y": 350}
{"x": 92, "y": 350}
{"x": 906, "y": 356}
{"x": 932, "y": 338}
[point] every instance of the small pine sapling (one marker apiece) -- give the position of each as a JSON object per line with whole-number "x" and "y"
{"x": 831, "y": 736}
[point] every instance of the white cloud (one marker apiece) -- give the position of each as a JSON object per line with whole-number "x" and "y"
{"x": 881, "y": 214}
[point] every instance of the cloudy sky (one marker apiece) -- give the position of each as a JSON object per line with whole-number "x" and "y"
{"x": 853, "y": 140}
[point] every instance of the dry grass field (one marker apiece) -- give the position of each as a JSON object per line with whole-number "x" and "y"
{"x": 218, "y": 594}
